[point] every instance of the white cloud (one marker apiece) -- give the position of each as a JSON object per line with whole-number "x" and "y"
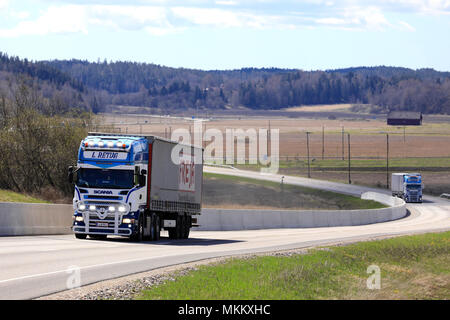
{"x": 359, "y": 18}
{"x": 406, "y": 26}
{"x": 435, "y": 7}
{"x": 127, "y": 17}
{"x": 3, "y": 4}
{"x": 65, "y": 19}
{"x": 226, "y": 2}
{"x": 371, "y": 18}
{"x": 159, "y": 17}
{"x": 216, "y": 17}
{"x": 20, "y": 15}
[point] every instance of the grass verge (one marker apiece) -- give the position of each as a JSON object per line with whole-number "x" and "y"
{"x": 11, "y": 196}
{"x": 221, "y": 190}
{"x": 375, "y": 164}
{"x": 412, "y": 267}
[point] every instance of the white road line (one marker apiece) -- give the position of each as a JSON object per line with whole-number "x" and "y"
{"x": 81, "y": 268}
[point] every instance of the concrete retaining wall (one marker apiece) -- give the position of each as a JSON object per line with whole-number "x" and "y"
{"x": 231, "y": 219}
{"x": 40, "y": 219}
{"x": 34, "y": 218}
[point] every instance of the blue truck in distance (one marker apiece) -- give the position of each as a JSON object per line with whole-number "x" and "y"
{"x": 407, "y": 186}
{"x": 131, "y": 186}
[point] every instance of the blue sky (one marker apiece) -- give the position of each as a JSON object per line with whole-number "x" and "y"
{"x": 229, "y": 34}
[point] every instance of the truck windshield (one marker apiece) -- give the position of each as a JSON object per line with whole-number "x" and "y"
{"x": 413, "y": 186}
{"x": 105, "y": 178}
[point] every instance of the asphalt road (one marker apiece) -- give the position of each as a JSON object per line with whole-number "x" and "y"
{"x": 35, "y": 266}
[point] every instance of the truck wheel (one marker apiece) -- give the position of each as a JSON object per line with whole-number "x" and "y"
{"x": 172, "y": 233}
{"x": 180, "y": 227}
{"x": 138, "y": 237}
{"x": 80, "y": 236}
{"x": 153, "y": 227}
{"x": 187, "y": 227}
{"x": 157, "y": 228}
{"x": 177, "y": 232}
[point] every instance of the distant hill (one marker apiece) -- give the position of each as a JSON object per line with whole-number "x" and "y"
{"x": 103, "y": 84}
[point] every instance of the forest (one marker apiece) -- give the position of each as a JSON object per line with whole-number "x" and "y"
{"x": 98, "y": 86}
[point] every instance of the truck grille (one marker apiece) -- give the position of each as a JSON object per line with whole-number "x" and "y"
{"x": 110, "y": 222}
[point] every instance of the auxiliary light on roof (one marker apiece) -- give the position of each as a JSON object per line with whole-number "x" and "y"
{"x": 108, "y": 144}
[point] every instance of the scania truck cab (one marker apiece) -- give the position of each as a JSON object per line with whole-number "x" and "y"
{"x": 407, "y": 186}
{"x": 129, "y": 185}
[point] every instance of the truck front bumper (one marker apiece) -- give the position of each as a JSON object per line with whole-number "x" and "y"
{"x": 100, "y": 231}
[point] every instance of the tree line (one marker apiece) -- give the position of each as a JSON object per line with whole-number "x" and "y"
{"x": 37, "y": 145}
{"x": 98, "y": 86}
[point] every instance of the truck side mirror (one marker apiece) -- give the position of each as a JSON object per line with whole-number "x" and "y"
{"x": 70, "y": 175}
{"x": 142, "y": 180}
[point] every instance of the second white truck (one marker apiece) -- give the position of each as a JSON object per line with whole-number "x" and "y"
{"x": 407, "y": 186}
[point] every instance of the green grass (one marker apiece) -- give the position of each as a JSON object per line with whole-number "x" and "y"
{"x": 11, "y": 196}
{"x": 314, "y": 197}
{"x": 412, "y": 267}
{"x": 394, "y": 163}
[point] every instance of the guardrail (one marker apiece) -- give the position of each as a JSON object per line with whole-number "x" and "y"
{"x": 34, "y": 218}
{"x": 45, "y": 219}
{"x": 240, "y": 219}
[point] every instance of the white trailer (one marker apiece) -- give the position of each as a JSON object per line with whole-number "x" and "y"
{"x": 407, "y": 186}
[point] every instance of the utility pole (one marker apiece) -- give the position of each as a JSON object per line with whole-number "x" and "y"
{"x": 269, "y": 142}
{"x": 323, "y": 142}
{"x": 343, "y": 143}
{"x": 387, "y": 160}
{"x": 349, "y": 177}
{"x": 307, "y": 147}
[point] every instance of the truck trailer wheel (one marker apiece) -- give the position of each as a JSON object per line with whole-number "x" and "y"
{"x": 139, "y": 235}
{"x": 180, "y": 227}
{"x": 177, "y": 232}
{"x": 80, "y": 236}
{"x": 186, "y": 226}
{"x": 172, "y": 233}
{"x": 157, "y": 228}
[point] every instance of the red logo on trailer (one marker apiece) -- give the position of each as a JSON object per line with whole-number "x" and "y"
{"x": 187, "y": 173}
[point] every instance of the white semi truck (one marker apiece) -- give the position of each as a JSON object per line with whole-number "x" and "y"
{"x": 134, "y": 186}
{"x": 407, "y": 186}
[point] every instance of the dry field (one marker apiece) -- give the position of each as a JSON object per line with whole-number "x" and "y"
{"x": 367, "y": 137}
{"x": 425, "y": 148}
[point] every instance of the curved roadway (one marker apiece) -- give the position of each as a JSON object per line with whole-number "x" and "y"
{"x": 40, "y": 265}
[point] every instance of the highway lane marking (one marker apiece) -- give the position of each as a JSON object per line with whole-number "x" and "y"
{"x": 81, "y": 268}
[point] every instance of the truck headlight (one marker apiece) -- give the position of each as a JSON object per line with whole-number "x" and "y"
{"x": 81, "y": 207}
{"x": 127, "y": 221}
{"x": 111, "y": 209}
{"x": 79, "y": 218}
{"x": 92, "y": 207}
{"x": 122, "y": 209}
